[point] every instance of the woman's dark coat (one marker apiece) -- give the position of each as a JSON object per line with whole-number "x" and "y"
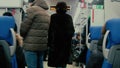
{"x": 60, "y": 35}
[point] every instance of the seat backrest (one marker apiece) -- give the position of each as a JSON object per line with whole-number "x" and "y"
{"x": 7, "y": 35}
{"x": 6, "y": 22}
{"x": 95, "y": 35}
{"x": 113, "y": 26}
{"x": 95, "y": 32}
{"x": 111, "y": 44}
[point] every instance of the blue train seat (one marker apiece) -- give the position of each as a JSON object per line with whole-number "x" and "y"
{"x": 7, "y": 38}
{"x": 94, "y": 36}
{"x": 111, "y": 44}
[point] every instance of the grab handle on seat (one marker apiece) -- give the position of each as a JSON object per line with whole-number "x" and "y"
{"x": 105, "y": 50}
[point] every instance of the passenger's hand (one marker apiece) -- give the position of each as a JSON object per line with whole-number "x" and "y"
{"x": 20, "y": 43}
{"x": 19, "y": 39}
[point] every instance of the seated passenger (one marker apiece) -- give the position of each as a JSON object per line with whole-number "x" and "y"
{"x": 77, "y": 50}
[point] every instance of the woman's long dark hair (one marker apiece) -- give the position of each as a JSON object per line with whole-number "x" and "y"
{"x": 7, "y": 14}
{"x": 61, "y": 7}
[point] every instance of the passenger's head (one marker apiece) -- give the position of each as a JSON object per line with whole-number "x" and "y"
{"x": 40, "y": 3}
{"x": 61, "y": 7}
{"x": 78, "y": 36}
{"x": 7, "y": 14}
{"x": 30, "y": 1}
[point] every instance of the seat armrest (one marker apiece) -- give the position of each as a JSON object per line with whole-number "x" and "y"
{"x": 13, "y": 47}
{"x": 88, "y": 44}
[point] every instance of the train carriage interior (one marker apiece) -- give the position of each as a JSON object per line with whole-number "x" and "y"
{"x": 95, "y": 43}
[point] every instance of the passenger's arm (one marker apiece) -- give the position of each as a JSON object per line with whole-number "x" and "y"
{"x": 25, "y": 26}
{"x": 19, "y": 39}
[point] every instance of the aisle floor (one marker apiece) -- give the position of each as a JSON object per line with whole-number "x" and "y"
{"x": 68, "y": 66}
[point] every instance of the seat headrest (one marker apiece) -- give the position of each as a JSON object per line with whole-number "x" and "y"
{"x": 6, "y": 22}
{"x": 95, "y": 32}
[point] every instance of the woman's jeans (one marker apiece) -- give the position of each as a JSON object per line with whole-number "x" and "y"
{"x": 34, "y": 59}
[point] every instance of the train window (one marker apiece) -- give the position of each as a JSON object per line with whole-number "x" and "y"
{"x": 11, "y": 3}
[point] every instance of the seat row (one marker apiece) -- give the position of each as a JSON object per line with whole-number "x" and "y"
{"x": 110, "y": 45}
